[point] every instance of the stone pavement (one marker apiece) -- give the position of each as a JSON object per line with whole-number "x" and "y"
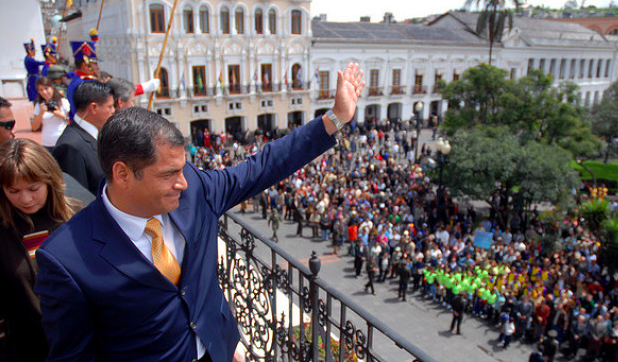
{"x": 423, "y": 322}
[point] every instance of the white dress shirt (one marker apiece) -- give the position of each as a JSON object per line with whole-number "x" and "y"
{"x": 134, "y": 226}
{"x": 87, "y": 126}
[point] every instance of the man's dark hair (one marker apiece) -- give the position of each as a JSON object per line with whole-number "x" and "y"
{"x": 91, "y": 91}
{"x": 5, "y": 103}
{"x": 131, "y": 136}
{"x": 123, "y": 89}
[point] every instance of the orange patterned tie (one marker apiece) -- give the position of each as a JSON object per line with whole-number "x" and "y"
{"x": 162, "y": 258}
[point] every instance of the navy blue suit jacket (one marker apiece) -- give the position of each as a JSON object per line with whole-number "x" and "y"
{"x": 103, "y": 300}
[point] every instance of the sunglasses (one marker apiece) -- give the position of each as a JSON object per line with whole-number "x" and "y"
{"x": 8, "y": 124}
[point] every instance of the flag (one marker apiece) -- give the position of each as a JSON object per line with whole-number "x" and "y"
{"x": 265, "y": 79}
{"x": 285, "y": 78}
{"x": 234, "y": 78}
{"x": 317, "y": 75}
{"x": 182, "y": 82}
{"x": 221, "y": 80}
{"x": 200, "y": 81}
{"x": 299, "y": 76}
{"x": 255, "y": 77}
{"x": 70, "y": 4}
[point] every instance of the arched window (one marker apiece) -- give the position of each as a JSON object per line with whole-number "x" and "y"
{"x": 272, "y": 21}
{"x": 296, "y": 22}
{"x": 164, "y": 88}
{"x": 225, "y": 20}
{"x": 239, "y": 19}
{"x": 204, "y": 25}
{"x": 157, "y": 18}
{"x": 259, "y": 21}
{"x": 187, "y": 19}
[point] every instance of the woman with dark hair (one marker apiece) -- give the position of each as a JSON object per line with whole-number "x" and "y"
{"x": 32, "y": 205}
{"x": 51, "y": 112}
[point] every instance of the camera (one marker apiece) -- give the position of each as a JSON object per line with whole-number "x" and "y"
{"x": 51, "y": 106}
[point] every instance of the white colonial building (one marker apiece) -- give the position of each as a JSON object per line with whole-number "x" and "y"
{"x": 569, "y": 52}
{"x": 404, "y": 62}
{"x": 229, "y": 65}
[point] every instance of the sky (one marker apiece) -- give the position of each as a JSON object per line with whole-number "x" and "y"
{"x": 352, "y": 10}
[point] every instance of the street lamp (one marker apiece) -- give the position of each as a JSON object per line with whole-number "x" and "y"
{"x": 418, "y": 108}
{"x": 444, "y": 148}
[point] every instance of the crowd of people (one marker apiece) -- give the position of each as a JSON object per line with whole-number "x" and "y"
{"x": 369, "y": 198}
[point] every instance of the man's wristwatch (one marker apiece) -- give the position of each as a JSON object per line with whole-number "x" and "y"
{"x": 334, "y": 119}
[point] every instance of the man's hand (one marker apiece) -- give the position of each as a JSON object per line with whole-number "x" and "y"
{"x": 350, "y": 84}
{"x": 349, "y": 87}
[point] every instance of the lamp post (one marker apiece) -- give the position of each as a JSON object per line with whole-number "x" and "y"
{"x": 444, "y": 148}
{"x": 418, "y": 108}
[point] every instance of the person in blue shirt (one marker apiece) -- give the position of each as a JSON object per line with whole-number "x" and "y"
{"x": 32, "y": 67}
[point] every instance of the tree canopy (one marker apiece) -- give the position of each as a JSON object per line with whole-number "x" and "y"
{"x": 529, "y": 107}
{"x": 484, "y": 159}
{"x": 605, "y": 117}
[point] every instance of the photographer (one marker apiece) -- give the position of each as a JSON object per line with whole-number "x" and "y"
{"x": 50, "y": 112}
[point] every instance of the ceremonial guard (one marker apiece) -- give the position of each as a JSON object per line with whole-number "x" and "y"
{"x": 86, "y": 68}
{"x": 49, "y": 53}
{"x": 32, "y": 67}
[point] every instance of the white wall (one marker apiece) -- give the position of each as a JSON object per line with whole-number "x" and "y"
{"x": 19, "y": 22}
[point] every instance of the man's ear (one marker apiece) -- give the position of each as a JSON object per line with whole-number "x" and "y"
{"x": 122, "y": 175}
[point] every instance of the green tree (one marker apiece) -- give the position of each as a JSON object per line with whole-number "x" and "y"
{"x": 473, "y": 99}
{"x": 605, "y": 117}
{"x": 608, "y": 255}
{"x": 485, "y": 159}
{"x": 531, "y": 107}
{"x": 493, "y": 18}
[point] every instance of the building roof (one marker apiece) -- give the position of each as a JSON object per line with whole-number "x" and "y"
{"x": 396, "y": 32}
{"x": 536, "y": 32}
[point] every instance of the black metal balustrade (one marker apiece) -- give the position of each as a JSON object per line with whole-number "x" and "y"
{"x": 282, "y": 306}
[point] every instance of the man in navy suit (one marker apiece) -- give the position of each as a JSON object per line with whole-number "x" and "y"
{"x": 76, "y": 148}
{"x": 132, "y": 277}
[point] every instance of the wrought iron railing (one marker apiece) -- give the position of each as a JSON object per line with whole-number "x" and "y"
{"x": 282, "y": 306}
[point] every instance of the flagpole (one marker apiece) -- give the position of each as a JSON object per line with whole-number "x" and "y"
{"x": 64, "y": 14}
{"x": 158, "y": 69}
{"x": 100, "y": 12}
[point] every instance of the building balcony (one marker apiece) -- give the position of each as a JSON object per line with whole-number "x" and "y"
{"x": 398, "y": 90}
{"x": 375, "y": 91}
{"x": 282, "y": 306}
{"x": 419, "y": 89}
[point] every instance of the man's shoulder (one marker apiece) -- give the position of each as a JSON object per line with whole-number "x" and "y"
{"x": 72, "y": 234}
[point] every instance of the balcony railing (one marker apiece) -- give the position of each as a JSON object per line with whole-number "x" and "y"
{"x": 375, "y": 91}
{"x": 437, "y": 89}
{"x": 203, "y": 91}
{"x": 298, "y": 86}
{"x": 419, "y": 89}
{"x": 282, "y": 306}
{"x": 324, "y": 94}
{"x": 398, "y": 89}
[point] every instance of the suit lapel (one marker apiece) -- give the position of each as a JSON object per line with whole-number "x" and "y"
{"x": 178, "y": 218}
{"x": 85, "y": 135}
{"x": 122, "y": 254}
